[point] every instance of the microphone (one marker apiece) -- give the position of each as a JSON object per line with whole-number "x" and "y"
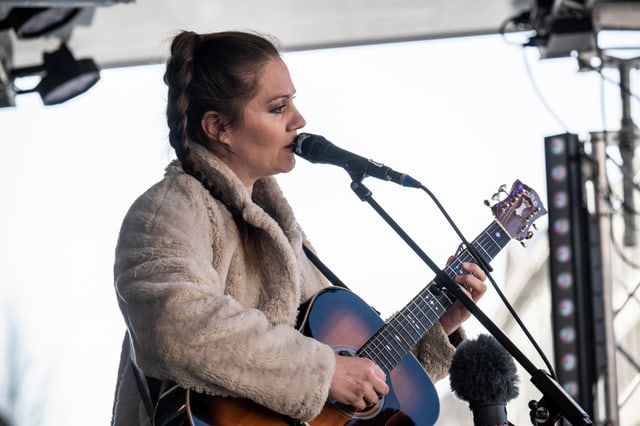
{"x": 317, "y": 149}
{"x": 484, "y": 374}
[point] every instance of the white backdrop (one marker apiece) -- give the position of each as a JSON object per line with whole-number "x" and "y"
{"x": 460, "y": 115}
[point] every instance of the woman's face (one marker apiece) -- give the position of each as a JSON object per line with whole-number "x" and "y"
{"x": 263, "y": 145}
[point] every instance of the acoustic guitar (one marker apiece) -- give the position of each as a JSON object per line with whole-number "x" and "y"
{"x": 339, "y": 318}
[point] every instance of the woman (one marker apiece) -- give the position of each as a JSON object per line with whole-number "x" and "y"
{"x": 210, "y": 269}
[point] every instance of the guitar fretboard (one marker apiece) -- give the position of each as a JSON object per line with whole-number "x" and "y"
{"x": 389, "y": 345}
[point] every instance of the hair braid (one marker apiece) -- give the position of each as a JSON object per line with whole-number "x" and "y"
{"x": 178, "y": 77}
{"x": 213, "y": 72}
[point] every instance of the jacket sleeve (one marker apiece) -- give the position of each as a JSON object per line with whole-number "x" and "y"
{"x": 435, "y": 350}
{"x": 185, "y": 328}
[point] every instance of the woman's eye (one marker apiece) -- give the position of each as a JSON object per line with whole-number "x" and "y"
{"x": 278, "y": 109}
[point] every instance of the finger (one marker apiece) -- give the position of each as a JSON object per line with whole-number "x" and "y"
{"x": 371, "y": 398}
{"x": 380, "y": 374}
{"x": 359, "y": 405}
{"x": 476, "y": 285}
{"x": 381, "y": 388}
{"x": 472, "y": 287}
{"x": 475, "y": 270}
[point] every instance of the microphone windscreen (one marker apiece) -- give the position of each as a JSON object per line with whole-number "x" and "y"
{"x": 482, "y": 371}
{"x": 311, "y": 147}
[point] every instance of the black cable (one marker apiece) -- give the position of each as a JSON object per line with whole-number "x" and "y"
{"x": 618, "y": 248}
{"x": 624, "y": 173}
{"x": 630, "y": 295}
{"x": 625, "y": 90}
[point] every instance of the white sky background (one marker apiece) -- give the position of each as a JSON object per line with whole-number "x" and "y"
{"x": 460, "y": 115}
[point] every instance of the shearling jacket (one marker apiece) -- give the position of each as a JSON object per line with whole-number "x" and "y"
{"x": 199, "y": 317}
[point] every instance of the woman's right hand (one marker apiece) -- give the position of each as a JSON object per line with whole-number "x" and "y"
{"x": 357, "y": 382}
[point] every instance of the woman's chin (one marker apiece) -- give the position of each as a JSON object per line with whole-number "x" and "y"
{"x": 289, "y": 165}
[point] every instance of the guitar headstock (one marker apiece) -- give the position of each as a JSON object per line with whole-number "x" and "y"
{"x": 517, "y": 212}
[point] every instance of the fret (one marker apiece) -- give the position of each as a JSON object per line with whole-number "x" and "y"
{"x": 402, "y": 337}
{"x": 397, "y": 336}
{"x": 383, "y": 356}
{"x": 391, "y": 342}
{"x": 398, "y": 345}
{"x": 408, "y": 316}
{"x": 403, "y": 327}
{"x": 435, "y": 308}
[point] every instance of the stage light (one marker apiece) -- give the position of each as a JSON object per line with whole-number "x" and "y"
{"x": 569, "y": 247}
{"x": 7, "y": 93}
{"x": 32, "y": 22}
{"x": 63, "y": 77}
{"x": 584, "y": 29}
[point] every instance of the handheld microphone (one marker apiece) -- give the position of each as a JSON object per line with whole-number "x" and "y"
{"x": 317, "y": 149}
{"x": 484, "y": 374}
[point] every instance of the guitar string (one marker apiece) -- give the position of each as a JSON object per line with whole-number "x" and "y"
{"x": 398, "y": 338}
{"x": 392, "y": 343}
{"x": 400, "y": 342}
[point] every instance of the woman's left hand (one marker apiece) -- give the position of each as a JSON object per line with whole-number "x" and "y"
{"x": 475, "y": 289}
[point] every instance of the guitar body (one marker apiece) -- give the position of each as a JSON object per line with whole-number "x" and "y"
{"x": 342, "y": 320}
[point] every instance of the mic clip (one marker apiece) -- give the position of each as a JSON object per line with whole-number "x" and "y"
{"x": 541, "y": 414}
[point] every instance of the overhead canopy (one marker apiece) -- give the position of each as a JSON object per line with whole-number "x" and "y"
{"x": 121, "y": 33}
{"x": 115, "y": 33}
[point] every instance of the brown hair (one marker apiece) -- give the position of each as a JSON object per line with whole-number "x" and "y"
{"x": 213, "y": 72}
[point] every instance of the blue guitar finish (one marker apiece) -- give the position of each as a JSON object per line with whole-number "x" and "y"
{"x": 342, "y": 320}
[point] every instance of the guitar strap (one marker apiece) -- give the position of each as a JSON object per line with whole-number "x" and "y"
{"x": 148, "y": 387}
{"x": 326, "y": 271}
{"x": 323, "y": 268}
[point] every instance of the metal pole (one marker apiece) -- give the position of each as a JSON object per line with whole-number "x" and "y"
{"x": 607, "y": 381}
{"x": 627, "y": 145}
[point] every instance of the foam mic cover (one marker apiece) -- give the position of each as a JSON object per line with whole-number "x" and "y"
{"x": 484, "y": 374}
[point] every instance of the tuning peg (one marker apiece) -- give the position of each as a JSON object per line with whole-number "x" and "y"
{"x": 502, "y": 189}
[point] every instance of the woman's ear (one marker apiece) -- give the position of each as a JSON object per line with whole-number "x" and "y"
{"x": 213, "y": 127}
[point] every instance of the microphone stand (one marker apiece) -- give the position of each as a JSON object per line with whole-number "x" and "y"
{"x": 556, "y": 402}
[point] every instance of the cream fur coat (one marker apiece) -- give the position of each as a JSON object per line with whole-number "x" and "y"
{"x": 198, "y": 317}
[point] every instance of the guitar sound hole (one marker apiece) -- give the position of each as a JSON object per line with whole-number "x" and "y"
{"x": 365, "y": 414}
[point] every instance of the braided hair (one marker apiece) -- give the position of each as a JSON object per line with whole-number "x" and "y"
{"x": 213, "y": 72}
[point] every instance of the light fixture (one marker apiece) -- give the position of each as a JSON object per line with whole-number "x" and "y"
{"x": 63, "y": 77}
{"x": 559, "y": 28}
{"x": 584, "y": 29}
{"x": 7, "y": 92}
{"x": 32, "y": 22}
{"x": 618, "y": 26}
{"x": 571, "y": 249}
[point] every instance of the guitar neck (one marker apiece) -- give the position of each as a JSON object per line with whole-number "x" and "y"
{"x": 389, "y": 345}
